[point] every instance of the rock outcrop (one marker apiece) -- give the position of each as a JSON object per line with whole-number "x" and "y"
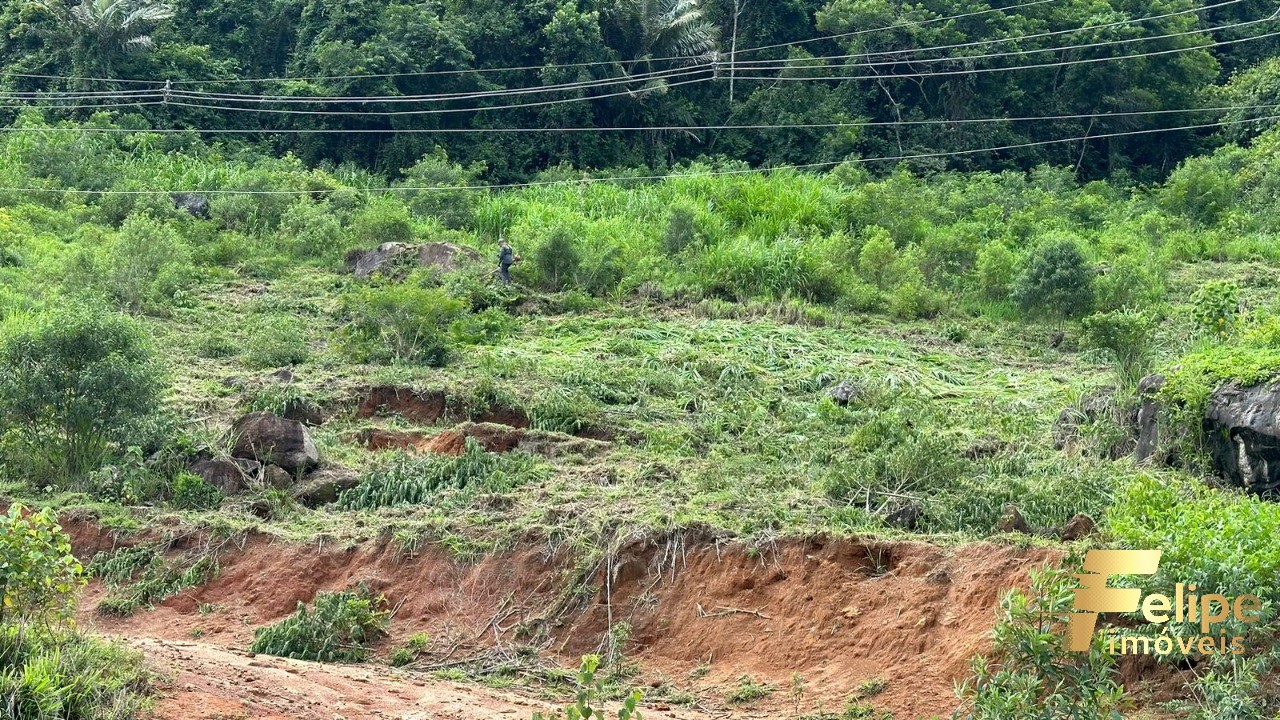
{"x": 274, "y": 440}
{"x": 1242, "y": 432}
{"x": 1148, "y": 415}
{"x": 388, "y": 257}
{"x": 230, "y": 475}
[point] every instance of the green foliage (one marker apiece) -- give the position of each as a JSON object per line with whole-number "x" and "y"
{"x": 557, "y": 260}
{"x": 1215, "y": 306}
{"x": 73, "y": 386}
{"x": 877, "y": 257}
{"x": 590, "y": 690}
{"x": 275, "y": 341}
{"x": 1185, "y": 520}
{"x": 64, "y": 675}
{"x": 1127, "y": 335}
{"x": 1030, "y": 673}
{"x": 402, "y": 323}
{"x": 455, "y": 209}
{"x": 748, "y": 690}
{"x": 337, "y": 628}
{"x": 191, "y": 492}
{"x": 139, "y": 577}
{"x": 1057, "y": 283}
{"x": 996, "y": 267}
{"x": 681, "y": 231}
{"x": 412, "y": 481}
{"x": 39, "y": 577}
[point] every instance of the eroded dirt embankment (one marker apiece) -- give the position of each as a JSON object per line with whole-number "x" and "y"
{"x": 702, "y": 613}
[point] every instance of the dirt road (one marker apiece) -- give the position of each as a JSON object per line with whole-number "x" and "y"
{"x": 207, "y": 682}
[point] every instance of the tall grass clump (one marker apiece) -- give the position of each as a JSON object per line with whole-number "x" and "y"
{"x": 407, "y": 480}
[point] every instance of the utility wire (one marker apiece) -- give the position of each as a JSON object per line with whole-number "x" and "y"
{"x": 790, "y": 62}
{"x": 671, "y": 176}
{"x": 643, "y": 128}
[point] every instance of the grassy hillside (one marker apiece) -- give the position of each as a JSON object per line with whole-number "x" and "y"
{"x": 670, "y": 349}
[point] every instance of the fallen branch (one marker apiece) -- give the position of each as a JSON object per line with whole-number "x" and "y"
{"x": 723, "y": 611}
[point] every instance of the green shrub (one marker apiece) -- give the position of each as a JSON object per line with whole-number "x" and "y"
{"x": 383, "y": 220}
{"x": 151, "y": 582}
{"x": 681, "y": 231}
{"x": 146, "y": 267}
{"x": 557, "y": 260}
{"x": 483, "y": 328}
{"x": 337, "y": 628}
{"x": 878, "y": 257}
{"x": 995, "y": 271}
{"x": 275, "y": 341}
{"x": 415, "y": 480}
{"x": 39, "y": 577}
{"x": 590, "y": 693}
{"x": 73, "y": 386}
{"x": 1030, "y": 673}
{"x": 191, "y": 492}
{"x": 402, "y": 323}
{"x": 65, "y": 675}
{"x": 1131, "y": 283}
{"x": 1127, "y": 335}
{"x": 1216, "y": 307}
{"x": 1057, "y": 283}
{"x": 454, "y": 209}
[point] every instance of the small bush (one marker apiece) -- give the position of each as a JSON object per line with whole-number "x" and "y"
{"x": 1056, "y": 284}
{"x": 383, "y": 220}
{"x": 275, "y": 341}
{"x": 191, "y": 492}
{"x": 1127, "y": 335}
{"x": 39, "y": 577}
{"x": 411, "y": 481}
{"x": 73, "y": 386}
{"x": 399, "y": 324}
{"x": 557, "y": 261}
{"x": 681, "y": 231}
{"x": 1030, "y": 673}
{"x": 995, "y": 271}
{"x": 335, "y": 629}
{"x": 1216, "y": 307}
{"x": 878, "y": 257}
{"x": 590, "y": 692}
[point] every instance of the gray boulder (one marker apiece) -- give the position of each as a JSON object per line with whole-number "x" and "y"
{"x": 1148, "y": 414}
{"x": 230, "y": 475}
{"x": 275, "y": 440}
{"x": 366, "y": 262}
{"x": 446, "y": 256}
{"x": 193, "y": 203}
{"x": 844, "y": 393}
{"x": 1242, "y": 432}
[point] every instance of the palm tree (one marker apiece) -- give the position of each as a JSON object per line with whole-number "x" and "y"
{"x": 661, "y": 29}
{"x": 109, "y": 29}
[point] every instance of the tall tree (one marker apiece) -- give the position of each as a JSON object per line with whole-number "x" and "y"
{"x": 103, "y": 31}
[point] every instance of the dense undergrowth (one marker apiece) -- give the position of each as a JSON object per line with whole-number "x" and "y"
{"x": 701, "y": 324}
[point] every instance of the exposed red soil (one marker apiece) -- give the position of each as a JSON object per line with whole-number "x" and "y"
{"x": 837, "y": 612}
{"x": 423, "y": 407}
{"x": 492, "y": 437}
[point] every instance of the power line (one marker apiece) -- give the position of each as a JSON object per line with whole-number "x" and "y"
{"x": 644, "y": 128}
{"x": 972, "y": 71}
{"x": 711, "y": 173}
{"x": 1019, "y": 38}
{"x": 895, "y": 26}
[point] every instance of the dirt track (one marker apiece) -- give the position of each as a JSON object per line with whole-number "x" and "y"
{"x": 213, "y": 683}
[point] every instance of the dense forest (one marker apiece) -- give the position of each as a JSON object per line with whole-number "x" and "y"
{"x": 500, "y": 86}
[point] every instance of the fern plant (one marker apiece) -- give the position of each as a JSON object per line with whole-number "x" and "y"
{"x": 335, "y": 629}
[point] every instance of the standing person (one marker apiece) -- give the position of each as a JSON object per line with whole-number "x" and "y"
{"x": 506, "y": 258}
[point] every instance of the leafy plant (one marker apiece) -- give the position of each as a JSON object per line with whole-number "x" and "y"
{"x": 337, "y": 628}
{"x": 590, "y": 690}
{"x": 38, "y": 576}
{"x": 410, "y": 481}
{"x": 1057, "y": 283}
{"x": 1216, "y": 307}
{"x": 74, "y": 385}
{"x": 1127, "y": 335}
{"x": 402, "y": 323}
{"x": 1030, "y": 673}
{"x": 557, "y": 260}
